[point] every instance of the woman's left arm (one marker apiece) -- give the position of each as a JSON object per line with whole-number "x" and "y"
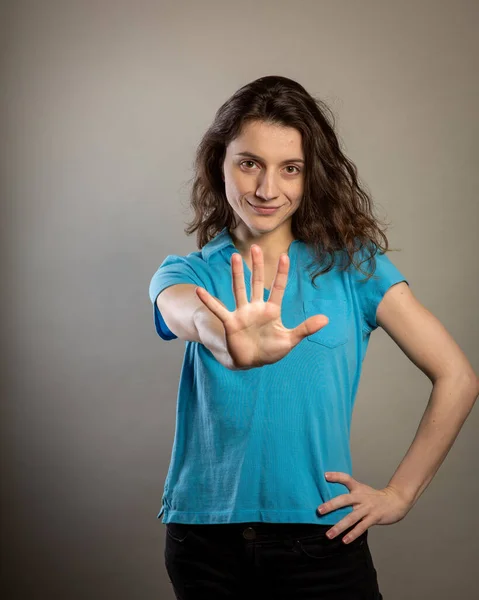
{"x": 427, "y": 343}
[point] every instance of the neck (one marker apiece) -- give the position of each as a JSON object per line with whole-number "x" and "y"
{"x": 272, "y": 244}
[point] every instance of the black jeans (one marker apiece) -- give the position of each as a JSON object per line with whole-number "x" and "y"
{"x": 284, "y": 561}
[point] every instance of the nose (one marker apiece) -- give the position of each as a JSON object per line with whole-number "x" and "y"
{"x": 267, "y": 188}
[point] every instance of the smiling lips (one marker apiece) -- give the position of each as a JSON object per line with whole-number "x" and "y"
{"x": 264, "y": 211}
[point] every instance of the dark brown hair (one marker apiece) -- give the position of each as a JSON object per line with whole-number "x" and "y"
{"x": 335, "y": 213}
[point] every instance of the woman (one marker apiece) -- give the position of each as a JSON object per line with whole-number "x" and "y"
{"x": 276, "y": 309}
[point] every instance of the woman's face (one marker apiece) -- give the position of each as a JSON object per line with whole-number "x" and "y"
{"x": 264, "y": 166}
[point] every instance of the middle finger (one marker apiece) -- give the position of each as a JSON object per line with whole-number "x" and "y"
{"x": 280, "y": 281}
{"x": 239, "y": 287}
{"x": 257, "y": 273}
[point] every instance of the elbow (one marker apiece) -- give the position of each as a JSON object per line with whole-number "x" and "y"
{"x": 470, "y": 381}
{"x": 465, "y": 380}
{"x": 476, "y": 386}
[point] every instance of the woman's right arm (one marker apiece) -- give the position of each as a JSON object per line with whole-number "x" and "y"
{"x": 253, "y": 334}
{"x": 190, "y": 320}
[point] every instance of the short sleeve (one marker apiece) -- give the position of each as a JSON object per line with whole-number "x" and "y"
{"x": 370, "y": 293}
{"x": 174, "y": 269}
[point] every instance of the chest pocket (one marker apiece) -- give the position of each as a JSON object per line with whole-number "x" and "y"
{"x": 335, "y": 333}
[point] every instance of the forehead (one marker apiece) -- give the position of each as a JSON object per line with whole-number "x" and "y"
{"x": 266, "y": 139}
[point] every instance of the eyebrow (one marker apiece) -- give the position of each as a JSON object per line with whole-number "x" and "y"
{"x": 256, "y": 157}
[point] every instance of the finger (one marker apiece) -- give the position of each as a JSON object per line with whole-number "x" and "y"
{"x": 335, "y": 503}
{"x": 213, "y": 304}
{"x": 340, "y": 477}
{"x": 239, "y": 287}
{"x": 257, "y": 275}
{"x": 346, "y": 523}
{"x": 308, "y": 327}
{"x": 361, "y": 527}
{"x": 280, "y": 280}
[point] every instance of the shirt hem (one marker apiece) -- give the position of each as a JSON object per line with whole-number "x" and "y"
{"x": 252, "y": 516}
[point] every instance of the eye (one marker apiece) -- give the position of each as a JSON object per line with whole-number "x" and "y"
{"x": 294, "y": 167}
{"x": 298, "y": 170}
{"x": 247, "y": 161}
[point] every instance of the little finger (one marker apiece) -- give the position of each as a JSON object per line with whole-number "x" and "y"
{"x": 213, "y": 304}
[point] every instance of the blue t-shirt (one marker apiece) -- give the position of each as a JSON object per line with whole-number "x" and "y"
{"x": 253, "y": 445}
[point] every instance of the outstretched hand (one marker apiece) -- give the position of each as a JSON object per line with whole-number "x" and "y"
{"x": 255, "y": 335}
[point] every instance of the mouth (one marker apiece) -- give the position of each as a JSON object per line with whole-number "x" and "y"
{"x": 264, "y": 211}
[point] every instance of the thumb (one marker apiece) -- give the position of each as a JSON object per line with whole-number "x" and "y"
{"x": 308, "y": 327}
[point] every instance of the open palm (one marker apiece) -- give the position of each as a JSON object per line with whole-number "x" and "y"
{"x": 255, "y": 335}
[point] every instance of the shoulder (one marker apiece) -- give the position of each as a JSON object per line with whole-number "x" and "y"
{"x": 192, "y": 259}
{"x": 377, "y": 275}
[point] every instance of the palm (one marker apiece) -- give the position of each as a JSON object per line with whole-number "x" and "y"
{"x": 256, "y": 336}
{"x": 254, "y": 332}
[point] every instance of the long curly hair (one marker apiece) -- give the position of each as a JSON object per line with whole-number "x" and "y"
{"x": 335, "y": 216}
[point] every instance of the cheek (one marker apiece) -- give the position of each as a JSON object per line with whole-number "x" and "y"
{"x": 237, "y": 187}
{"x": 234, "y": 194}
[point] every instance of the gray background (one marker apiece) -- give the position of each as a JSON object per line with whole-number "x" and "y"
{"x": 102, "y": 107}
